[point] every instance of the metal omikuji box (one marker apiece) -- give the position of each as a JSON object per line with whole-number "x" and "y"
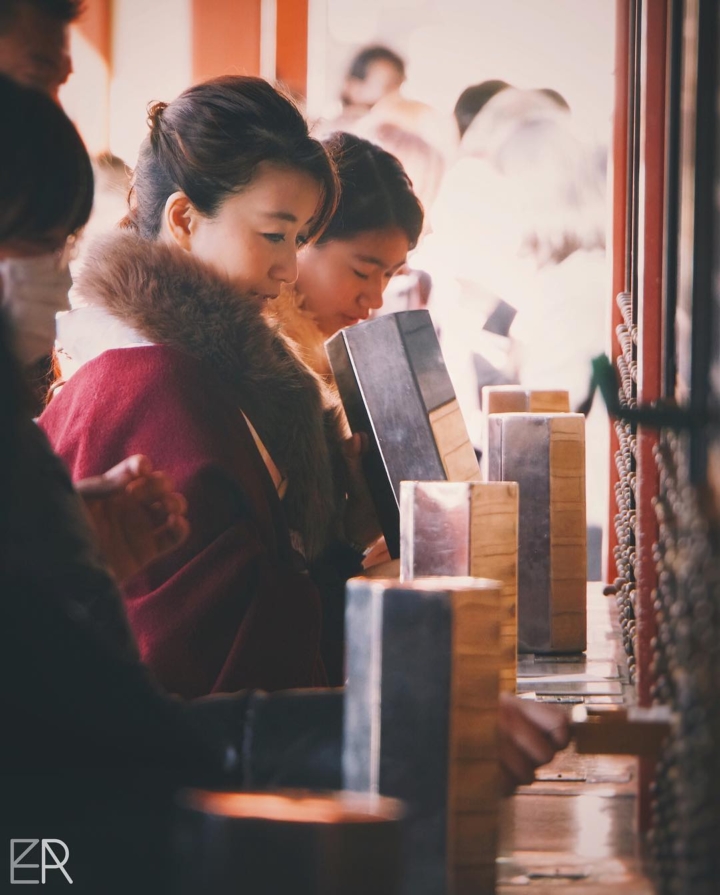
{"x": 466, "y": 528}
{"x": 545, "y": 455}
{"x": 395, "y": 387}
{"x": 420, "y": 721}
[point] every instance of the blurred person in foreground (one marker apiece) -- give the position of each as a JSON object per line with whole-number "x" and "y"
{"x": 35, "y": 282}
{"x": 34, "y": 42}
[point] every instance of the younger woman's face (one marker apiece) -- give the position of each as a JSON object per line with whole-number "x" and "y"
{"x": 255, "y": 236}
{"x": 344, "y": 279}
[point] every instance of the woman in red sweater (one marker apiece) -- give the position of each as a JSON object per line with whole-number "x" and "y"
{"x": 187, "y": 371}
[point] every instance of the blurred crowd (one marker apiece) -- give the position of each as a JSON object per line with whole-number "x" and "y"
{"x": 511, "y": 261}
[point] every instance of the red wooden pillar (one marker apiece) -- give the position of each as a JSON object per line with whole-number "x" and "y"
{"x": 225, "y": 38}
{"x": 650, "y": 268}
{"x": 619, "y": 193}
{"x": 95, "y": 25}
{"x": 651, "y": 197}
{"x": 292, "y": 45}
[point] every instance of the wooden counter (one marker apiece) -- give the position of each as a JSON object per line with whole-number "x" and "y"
{"x": 574, "y": 831}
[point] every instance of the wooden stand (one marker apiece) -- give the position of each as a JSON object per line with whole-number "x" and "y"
{"x": 306, "y": 843}
{"x": 545, "y": 455}
{"x": 420, "y": 722}
{"x": 613, "y": 730}
{"x": 466, "y": 529}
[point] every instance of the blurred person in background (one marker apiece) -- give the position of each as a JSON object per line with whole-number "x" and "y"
{"x": 112, "y": 186}
{"x": 375, "y": 71}
{"x": 472, "y": 99}
{"x": 479, "y": 278}
{"x": 413, "y": 117}
{"x": 521, "y": 219}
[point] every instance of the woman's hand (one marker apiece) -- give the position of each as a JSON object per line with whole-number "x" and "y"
{"x": 136, "y": 514}
{"x": 361, "y": 522}
{"x": 530, "y": 734}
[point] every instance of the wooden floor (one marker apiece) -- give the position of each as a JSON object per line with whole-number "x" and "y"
{"x": 574, "y": 830}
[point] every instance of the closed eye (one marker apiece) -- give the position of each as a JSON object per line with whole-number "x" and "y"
{"x": 362, "y": 276}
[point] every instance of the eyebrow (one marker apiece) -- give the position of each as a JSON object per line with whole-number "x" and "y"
{"x": 281, "y": 216}
{"x": 370, "y": 259}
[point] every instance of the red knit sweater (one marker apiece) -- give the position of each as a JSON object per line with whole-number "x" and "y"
{"x": 230, "y": 608}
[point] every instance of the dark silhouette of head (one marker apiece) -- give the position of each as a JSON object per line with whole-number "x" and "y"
{"x": 374, "y": 72}
{"x": 472, "y": 99}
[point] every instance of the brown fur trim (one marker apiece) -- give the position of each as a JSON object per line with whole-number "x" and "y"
{"x": 296, "y": 322}
{"x": 174, "y": 299}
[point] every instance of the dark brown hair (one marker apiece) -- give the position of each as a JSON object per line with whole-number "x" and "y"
{"x": 209, "y": 142}
{"x": 472, "y": 99}
{"x": 46, "y": 179}
{"x": 375, "y": 191}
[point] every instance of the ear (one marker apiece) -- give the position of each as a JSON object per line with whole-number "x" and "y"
{"x": 178, "y": 219}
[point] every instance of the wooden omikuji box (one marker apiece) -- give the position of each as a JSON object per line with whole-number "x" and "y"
{"x": 420, "y": 723}
{"x": 516, "y": 399}
{"x": 466, "y": 528}
{"x": 395, "y": 387}
{"x": 545, "y": 455}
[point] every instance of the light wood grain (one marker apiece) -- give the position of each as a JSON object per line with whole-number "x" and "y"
{"x": 494, "y": 554}
{"x": 473, "y": 771}
{"x": 453, "y": 443}
{"x": 515, "y": 399}
{"x": 568, "y": 532}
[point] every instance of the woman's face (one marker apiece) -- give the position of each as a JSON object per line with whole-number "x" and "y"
{"x": 344, "y": 279}
{"x": 255, "y": 236}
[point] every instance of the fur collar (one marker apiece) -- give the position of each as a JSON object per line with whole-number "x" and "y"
{"x": 173, "y": 299}
{"x": 289, "y": 311}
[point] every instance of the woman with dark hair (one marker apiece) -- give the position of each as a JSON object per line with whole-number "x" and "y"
{"x": 228, "y": 186}
{"x": 342, "y": 276}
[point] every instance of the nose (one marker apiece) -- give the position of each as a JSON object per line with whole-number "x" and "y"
{"x": 285, "y": 269}
{"x": 372, "y": 296}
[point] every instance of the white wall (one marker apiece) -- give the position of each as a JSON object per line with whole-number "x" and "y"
{"x": 152, "y": 49}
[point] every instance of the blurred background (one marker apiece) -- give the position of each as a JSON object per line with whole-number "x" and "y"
{"x": 128, "y": 52}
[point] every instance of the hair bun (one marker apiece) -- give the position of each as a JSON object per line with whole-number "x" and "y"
{"x": 155, "y": 111}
